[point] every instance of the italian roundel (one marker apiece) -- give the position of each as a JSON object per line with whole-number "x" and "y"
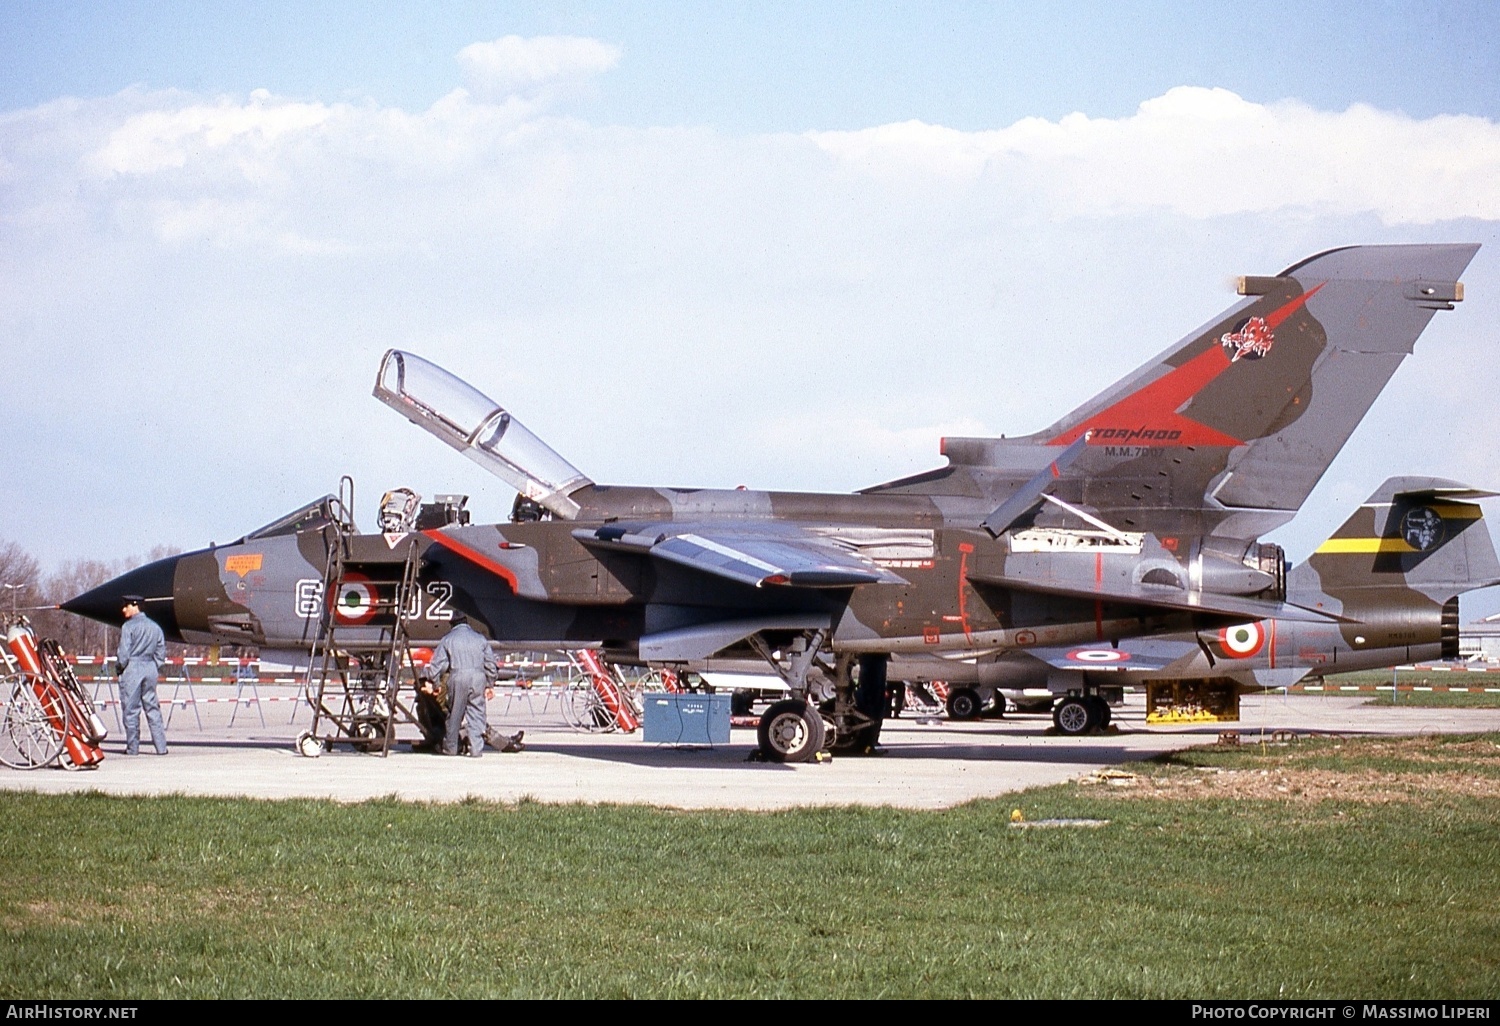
{"x": 1243, "y": 641}
{"x": 356, "y": 601}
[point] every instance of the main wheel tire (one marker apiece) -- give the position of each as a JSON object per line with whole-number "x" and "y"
{"x": 1073, "y": 716}
{"x": 996, "y": 708}
{"x": 790, "y": 731}
{"x": 741, "y": 702}
{"x": 1102, "y": 714}
{"x": 964, "y": 704}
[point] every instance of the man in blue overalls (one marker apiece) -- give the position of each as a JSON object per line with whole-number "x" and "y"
{"x": 142, "y": 651}
{"x": 471, "y": 666}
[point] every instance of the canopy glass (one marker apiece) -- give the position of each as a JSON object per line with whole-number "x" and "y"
{"x": 477, "y": 426}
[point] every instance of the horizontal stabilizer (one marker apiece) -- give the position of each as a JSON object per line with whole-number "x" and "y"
{"x": 1163, "y": 598}
{"x": 1452, "y": 490}
{"x": 1145, "y": 655}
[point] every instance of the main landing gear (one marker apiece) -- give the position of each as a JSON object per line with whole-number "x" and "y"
{"x": 1081, "y": 714}
{"x": 791, "y": 731}
{"x": 838, "y": 708}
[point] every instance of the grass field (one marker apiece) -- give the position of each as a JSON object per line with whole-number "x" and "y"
{"x": 1323, "y": 868}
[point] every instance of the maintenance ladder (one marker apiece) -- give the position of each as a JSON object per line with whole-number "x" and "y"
{"x": 354, "y": 679}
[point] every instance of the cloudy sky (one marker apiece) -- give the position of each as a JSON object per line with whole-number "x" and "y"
{"x": 781, "y": 245}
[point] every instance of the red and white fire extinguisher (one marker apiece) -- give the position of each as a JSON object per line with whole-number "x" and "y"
{"x": 609, "y": 692}
{"x": 81, "y": 730}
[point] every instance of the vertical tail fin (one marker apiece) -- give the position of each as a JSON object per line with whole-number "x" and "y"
{"x": 1414, "y": 534}
{"x": 1245, "y": 414}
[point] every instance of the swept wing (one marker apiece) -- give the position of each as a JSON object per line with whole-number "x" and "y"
{"x": 759, "y": 555}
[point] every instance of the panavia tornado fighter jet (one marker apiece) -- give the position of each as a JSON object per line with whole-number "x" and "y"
{"x": 1138, "y": 514}
{"x": 1391, "y": 577}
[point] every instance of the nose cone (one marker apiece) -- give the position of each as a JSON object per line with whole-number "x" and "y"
{"x": 154, "y": 582}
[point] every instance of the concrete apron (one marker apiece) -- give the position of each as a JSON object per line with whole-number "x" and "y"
{"x": 930, "y": 764}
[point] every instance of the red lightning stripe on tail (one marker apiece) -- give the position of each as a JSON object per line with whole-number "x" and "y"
{"x": 1154, "y": 407}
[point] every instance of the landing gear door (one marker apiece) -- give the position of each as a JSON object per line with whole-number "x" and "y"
{"x": 477, "y": 426}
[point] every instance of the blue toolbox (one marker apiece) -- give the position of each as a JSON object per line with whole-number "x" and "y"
{"x": 687, "y": 719}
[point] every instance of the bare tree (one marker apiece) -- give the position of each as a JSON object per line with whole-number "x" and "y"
{"x": 24, "y": 587}
{"x": 20, "y": 581}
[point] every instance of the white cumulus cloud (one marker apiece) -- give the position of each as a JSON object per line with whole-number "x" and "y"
{"x": 207, "y": 283}
{"x": 516, "y": 65}
{"x": 167, "y": 138}
{"x": 1206, "y": 153}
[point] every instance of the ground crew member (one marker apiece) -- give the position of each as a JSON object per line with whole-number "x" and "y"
{"x": 432, "y": 720}
{"x": 870, "y": 699}
{"x": 472, "y": 667}
{"x": 142, "y": 651}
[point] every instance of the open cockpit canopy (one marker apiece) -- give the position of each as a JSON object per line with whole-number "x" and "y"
{"x": 477, "y": 426}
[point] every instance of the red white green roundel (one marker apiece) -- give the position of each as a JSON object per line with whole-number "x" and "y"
{"x": 356, "y": 600}
{"x": 1243, "y": 641}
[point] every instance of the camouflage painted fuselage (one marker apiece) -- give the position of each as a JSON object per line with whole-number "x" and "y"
{"x": 1135, "y": 515}
{"x": 536, "y": 585}
{"x": 1392, "y": 574}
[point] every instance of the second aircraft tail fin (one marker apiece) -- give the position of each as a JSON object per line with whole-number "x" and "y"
{"x": 1413, "y": 534}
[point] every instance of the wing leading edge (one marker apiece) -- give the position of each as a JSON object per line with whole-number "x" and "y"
{"x": 775, "y": 555}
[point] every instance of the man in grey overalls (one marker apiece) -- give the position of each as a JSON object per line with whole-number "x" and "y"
{"x": 471, "y": 666}
{"x": 142, "y": 651}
